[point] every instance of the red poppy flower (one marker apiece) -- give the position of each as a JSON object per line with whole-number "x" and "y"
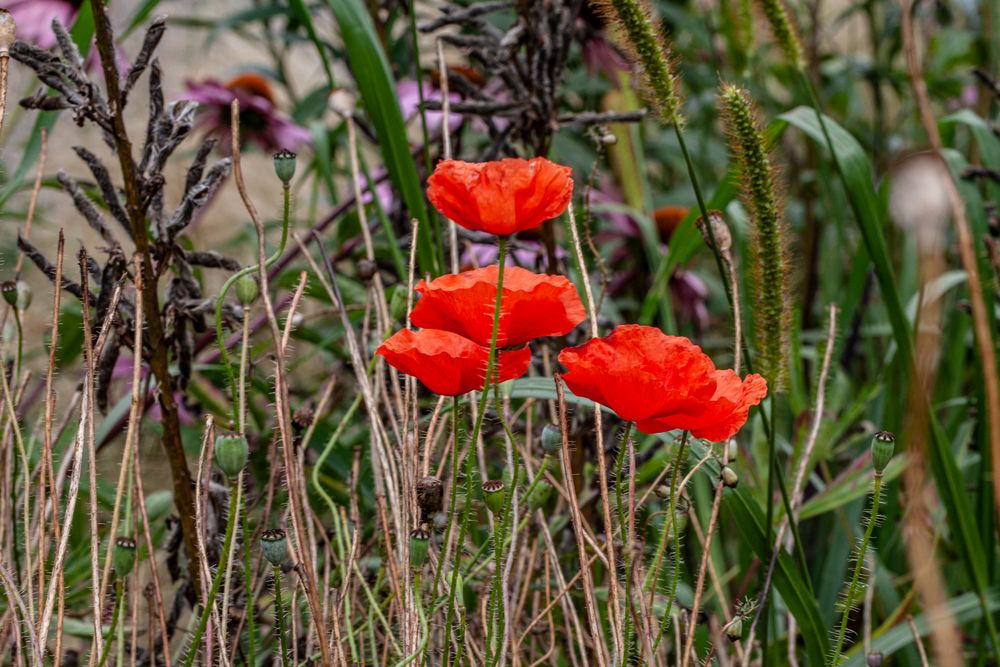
{"x": 533, "y": 305}
{"x": 447, "y": 363}
{"x": 661, "y": 382}
{"x": 500, "y": 197}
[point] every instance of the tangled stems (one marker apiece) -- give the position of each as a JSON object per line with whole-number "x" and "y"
{"x": 671, "y": 526}
{"x": 424, "y": 633}
{"x": 227, "y": 545}
{"x": 119, "y": 596}
{"x": 623, "y": 526}
{"x": 279, "y": 614}
{"x": 467, "y": 510}
{"x": 226, "y": 286}
{"x": 852, "y": 589}
{"x": 453, "y": 493}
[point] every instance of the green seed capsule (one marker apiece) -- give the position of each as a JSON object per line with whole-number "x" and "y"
{"x": 9, "y": 290}
{"x": 883, "y": 445}
{"x": 123, "y": 557}
{"x": 734, "y": 630}
{"x": 231, "y": 452}
{"x": 494, "y": 492}
{"x": 274, "y": 544}
{"x": 551, "y": 439}
{"x": 420, "y": 541}
{"x": 284, "y": 165}
{"x": 247, "y": 289}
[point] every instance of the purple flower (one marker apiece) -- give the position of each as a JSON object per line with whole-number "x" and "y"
{"x": 260, "y": 122}
{"x": 34, "y": 19}
{"x": 526, "y": 254}
{"x": 409, "y": 103}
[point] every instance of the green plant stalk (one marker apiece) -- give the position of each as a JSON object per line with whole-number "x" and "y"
{"x": 119, "y": 595}
{"x": 467, "y": 510}
{"x": 227, "y": 544}
{"x": 772, "y": 465}
{"x": 248, "y": 586}
{"x": 279, "y": 615}
{"x": 226, "y": 286}
{"x": 852, "y": 589}
{"x": 670, "y": 527}
{"x": 453, "y": 492}
{"x": 626, "y": 540}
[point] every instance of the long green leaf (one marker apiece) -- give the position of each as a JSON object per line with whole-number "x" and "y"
{"x": 378, "y": 90}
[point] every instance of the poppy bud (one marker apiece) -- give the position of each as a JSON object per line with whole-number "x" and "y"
{"x": 231, "y": 452}
{"x": 493, "y": 494}
{"x": 9, "y": 290}
{"x": 23, "y": 295}
{"x": 551, "y": 439}
{"x": 397, "y": 304}
{"x": 874, "y": 659}
{"x": 883, "y": 445}
{"x": 274, "y": 544}
{"x": 247, "y": 289}
{"x": 662, "y": 492}
{"x": 284, "y": 165}
{"x": 429, "y": 493}
{"x": 734, "y": 629}
{"x": 366, "y": 270}
{"x": 729, "y": 477}
{"x": 609, "y": 139}
{"x": 123, "y": 556}
{"x": 539, "y": 495}
{"x": 420, "y": 541}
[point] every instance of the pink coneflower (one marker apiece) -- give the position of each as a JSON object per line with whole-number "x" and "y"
{"x": 34, "y": 19}
{"x": 260, "y": 121}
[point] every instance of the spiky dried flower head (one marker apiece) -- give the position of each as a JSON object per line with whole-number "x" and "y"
{"x": 274, "y": 544}
{"x": 767, "y": 241}
{"x": 783, "y": 31}
{"x": 643, "y": 36}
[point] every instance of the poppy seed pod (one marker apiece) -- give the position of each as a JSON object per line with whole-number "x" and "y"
{"x": 231, "y": 452}
{"x": 123, "y": 556}
{"x": 551, "y": 439}
{"x": 494, "y": 492}
{"x": 247, "y": 289}
{"x": 274, "y": 544}
{"x": 883, "y": 445}
{"x": 9, "y": 290}
{"x": 430, "y": 491}
{"x": 284, "y": 165}
{"x": 420, "y": 541}
{"x": 729, "y": 477}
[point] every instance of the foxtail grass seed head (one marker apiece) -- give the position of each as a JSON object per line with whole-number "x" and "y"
{"x": 8, "y": 31}
{"x": 430, "y": 493}
{"x": 284, "y": 165}
{"x": 420, "y": 541}
{"x": 539, "y": 495}
{"x": 247, "y": 290}
{"x": 231, "y": 453}
{"x": 642, "y": 35}
{"x": 729, "y": 477}
{"x": 9, "y": 290}
{"x": 883, "y": 446}
{"x": 551, "y": 439}
{"x": 767, "y": 240}
{"x": 23, "y": 295}
{"x": 494, "y": 491}
{"x": 123, "y": 557}
{"x": 274, "y": 545}
{"x": 783, "y": 31}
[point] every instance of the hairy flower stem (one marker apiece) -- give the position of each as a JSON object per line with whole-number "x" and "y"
{"x": 247, "y": 566}
{"x": 227, "y": 544}
{"x": 279, "y": 615}
{"x": 467, "y": 510}
{"x": 626, "y": 538}
{"x": 669, "y": 527}
{"x": 226, "y": 286}
{"x": 853, "y": 588}
{"x": 119, "y": 596}
{"x": 508, "y": 516}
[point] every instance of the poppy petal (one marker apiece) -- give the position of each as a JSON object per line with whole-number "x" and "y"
{"x": 722, "y": 416}
{"x": 447, "y": 363}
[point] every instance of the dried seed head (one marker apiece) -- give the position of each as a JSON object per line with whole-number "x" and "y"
{"x": 493, "y": 494}
{"x": 783, "y": 31}
{"x": 123, "y": 556}
{"x": 430, "y": 492}
{"x": 8, "y": 31}
{"x": 366, "y": 270}
{"x": 247, "y": 290}
{"x": 274, "y": 544}
{"x": 772, "y": 307}
{"x": 303, "y": 418}
{"x": 883, "y": 446}
{"x": 9, "y": 290}
{"x": 284, "y": 165}
{"x": 231, "y": 453}
{"x": 420, "y": 541}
